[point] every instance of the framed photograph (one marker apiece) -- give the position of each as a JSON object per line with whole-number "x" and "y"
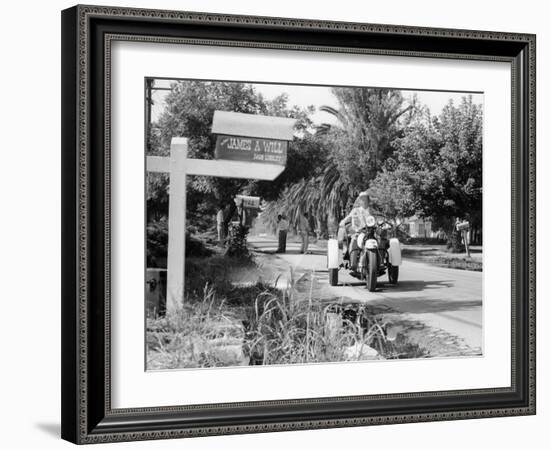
{"x": 279, "y": 224}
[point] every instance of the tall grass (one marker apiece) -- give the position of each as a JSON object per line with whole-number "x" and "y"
{"x": 200, "y": 334}
{"x": 283, "y": 330}
{"x": 262, "y": 325}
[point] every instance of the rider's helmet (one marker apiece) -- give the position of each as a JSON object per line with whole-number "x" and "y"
{"x": 362, "y": 200}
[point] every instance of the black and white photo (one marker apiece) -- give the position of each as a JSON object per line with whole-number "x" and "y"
{"x": 297, "y": 224}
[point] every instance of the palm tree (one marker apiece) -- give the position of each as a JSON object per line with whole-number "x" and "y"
{"x": 367, "y": 121}
{"x": 324, "y": 197}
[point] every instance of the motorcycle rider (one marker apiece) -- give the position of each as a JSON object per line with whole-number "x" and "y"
{"x": 357, "y": 218}
{"x": 357, "y": 221}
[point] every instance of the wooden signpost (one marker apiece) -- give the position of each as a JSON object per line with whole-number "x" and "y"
{"x": 263, "y": 129}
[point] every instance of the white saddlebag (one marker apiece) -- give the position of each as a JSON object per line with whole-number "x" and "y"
{"x": 394, "y": 252}
{"x": 333, "y": 254}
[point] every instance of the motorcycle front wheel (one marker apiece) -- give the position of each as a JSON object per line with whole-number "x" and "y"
{"x": 372, "y": 269}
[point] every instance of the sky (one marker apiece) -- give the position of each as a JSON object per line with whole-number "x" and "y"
{"x": 321, "y": 95}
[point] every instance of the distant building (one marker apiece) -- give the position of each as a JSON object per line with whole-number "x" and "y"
{"x": 420, "y": 228}
{"x": 416, "y": 227}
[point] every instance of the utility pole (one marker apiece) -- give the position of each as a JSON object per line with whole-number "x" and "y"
{"x": 149, "y": 83}
{"x": 149, "y": 102}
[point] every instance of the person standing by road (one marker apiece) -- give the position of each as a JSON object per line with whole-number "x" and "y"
{"x": 282, "y": 229}
{"x": 220, "y": 218}
{"x": 303, "y": 228}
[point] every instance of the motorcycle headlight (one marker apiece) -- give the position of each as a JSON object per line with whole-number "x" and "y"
{"x": 371, "y": 221}
{"x": 371, "y": 244}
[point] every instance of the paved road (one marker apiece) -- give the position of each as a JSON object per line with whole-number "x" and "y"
{"x": 442, "y": 298}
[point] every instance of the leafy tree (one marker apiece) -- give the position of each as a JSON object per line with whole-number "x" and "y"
{"x": 190, "y": 107}
{"x": 392, "y": 195}
{"x": 436, "y": 169}
{"x": 189, "y": 111}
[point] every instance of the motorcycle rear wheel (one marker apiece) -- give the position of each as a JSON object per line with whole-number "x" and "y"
{"x": 333, "y": 277}
{"x": 393, "y": 274}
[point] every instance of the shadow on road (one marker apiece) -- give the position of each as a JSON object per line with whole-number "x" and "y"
{"x": 404, "y": 286}
{"x": 415, "y": 285}
{"x": 288, "y": 252}
{"x": 427, "y": 305}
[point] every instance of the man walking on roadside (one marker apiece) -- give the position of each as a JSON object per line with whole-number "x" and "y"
{"x": 282, "y": 229}
{"x": 303, "y": 228}
{"x": 220, "y": 217}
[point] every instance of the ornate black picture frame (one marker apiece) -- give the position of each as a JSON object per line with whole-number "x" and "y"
{"x": 87, "y": 34}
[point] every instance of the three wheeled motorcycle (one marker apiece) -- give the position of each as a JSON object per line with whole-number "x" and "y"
{"x": 367, "y": 253}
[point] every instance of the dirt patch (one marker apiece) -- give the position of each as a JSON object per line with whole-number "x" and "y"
{"x": 436, "y": 342}
{"x": 438, "y": 256}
